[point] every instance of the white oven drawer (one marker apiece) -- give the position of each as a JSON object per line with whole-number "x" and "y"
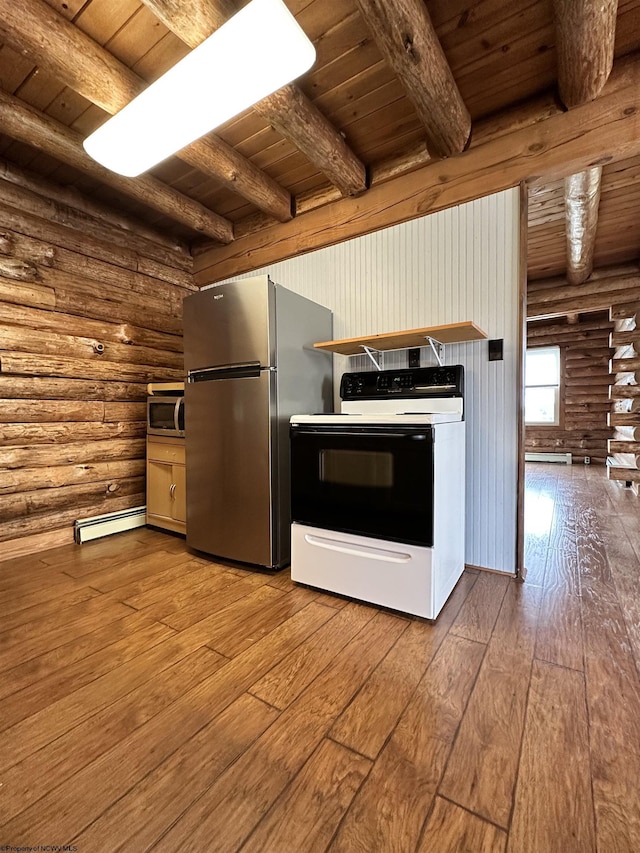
{"x": 389, "y": 574}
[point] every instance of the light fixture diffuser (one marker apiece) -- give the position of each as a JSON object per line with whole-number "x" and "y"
{"x": 256, "y": 52}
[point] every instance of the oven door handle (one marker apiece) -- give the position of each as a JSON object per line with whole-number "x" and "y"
{"x": 356, "y": 432}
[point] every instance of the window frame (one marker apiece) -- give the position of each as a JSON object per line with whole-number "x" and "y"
{"x": 558, "y": 421}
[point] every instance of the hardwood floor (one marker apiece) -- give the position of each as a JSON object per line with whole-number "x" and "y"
{"x": 151, "y": 699}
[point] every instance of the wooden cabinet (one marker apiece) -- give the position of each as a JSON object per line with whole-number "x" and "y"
{"x": 166, "y": 492}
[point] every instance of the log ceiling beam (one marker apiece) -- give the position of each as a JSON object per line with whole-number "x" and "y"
{"x": 556, "y": 298}
{"x": 581, "y": 201}
{"x": 405, "y": 35}
{"x": 48, "y": 39}
{"x": 601, "y": 274}
{"x": 25, "y": 124}
{"x": 585, "y": 36}
{"x": 556, "y": 145}
{"x": 288, "y": 110}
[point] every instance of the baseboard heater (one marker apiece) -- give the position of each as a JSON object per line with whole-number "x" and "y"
{"x": 565, "y": 458}
{"x": 86, "y": 529}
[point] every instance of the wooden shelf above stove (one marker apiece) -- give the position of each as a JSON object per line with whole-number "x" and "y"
{"x": 453, "y": 333}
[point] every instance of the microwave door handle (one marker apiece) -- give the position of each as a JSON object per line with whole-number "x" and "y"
{"x": 176, "y": 415}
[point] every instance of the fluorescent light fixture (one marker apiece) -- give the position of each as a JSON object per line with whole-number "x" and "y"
{"x": 255, "y": 53}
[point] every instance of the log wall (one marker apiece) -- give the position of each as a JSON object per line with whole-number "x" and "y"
{"x": 606, "y": 287}
{"x": 584, "y": 398}
{"x": 624, "y": 447}
{"x": 90, "y": 311}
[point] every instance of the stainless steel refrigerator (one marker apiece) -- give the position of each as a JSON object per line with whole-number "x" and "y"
{"x": 250, "y": 365}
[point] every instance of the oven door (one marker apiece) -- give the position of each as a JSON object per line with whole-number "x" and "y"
{"x": 372, "y": 481}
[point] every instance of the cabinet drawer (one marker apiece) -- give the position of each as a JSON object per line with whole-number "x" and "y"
{"x": 165, "y": 452}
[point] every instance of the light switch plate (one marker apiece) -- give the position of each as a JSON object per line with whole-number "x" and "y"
{"x": 496, "y": 349}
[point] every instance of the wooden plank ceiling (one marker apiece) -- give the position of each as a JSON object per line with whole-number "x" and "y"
{"x": 618, "y": 233}
{"x": 395, "y": 86}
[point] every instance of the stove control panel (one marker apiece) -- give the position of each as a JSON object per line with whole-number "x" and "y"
{"x": 416, "y": 382}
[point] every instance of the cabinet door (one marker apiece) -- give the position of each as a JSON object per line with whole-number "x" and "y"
{"x": 179, "y": 511}
{"x": 159, "y": 482}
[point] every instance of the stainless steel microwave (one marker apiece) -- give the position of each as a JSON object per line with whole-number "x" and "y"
{"x": 165, "y": 415}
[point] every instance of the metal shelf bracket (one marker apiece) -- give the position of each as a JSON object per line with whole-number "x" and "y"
{"x": 438, "y": 349}
{"x": 370, "y": 352}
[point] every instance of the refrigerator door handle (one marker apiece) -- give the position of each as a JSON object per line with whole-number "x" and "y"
{"x": 249, "y": 370}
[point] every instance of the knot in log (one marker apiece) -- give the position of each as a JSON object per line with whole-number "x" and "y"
{"x": 5, "y": 243}
{"x": 19, "y": 270}
{"x": 48, "y": 256}
{"x": 407, "y": 43}
{"x": 125, "y": 334}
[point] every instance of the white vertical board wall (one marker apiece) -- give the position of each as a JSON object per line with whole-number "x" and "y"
{"x": 457, "y": 264}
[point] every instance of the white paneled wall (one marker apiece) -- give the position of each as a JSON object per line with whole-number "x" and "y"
{"x": 457, "y": 264}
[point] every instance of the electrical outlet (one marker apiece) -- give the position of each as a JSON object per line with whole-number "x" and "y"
{"x": 414, "y": 357}
{"x": 587, "y": 460}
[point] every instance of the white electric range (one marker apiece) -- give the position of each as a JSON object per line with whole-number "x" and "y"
{"x": 378, "y": 492}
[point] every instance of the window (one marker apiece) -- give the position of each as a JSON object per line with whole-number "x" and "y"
{"x": 542, "y": 387}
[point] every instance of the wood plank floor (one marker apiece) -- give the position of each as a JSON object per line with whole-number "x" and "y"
{"x": 151, "y": 699}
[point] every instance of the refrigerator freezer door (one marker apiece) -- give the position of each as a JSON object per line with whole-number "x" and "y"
{"x": 229, "y": 468}
{"x": 230, "y": 324}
